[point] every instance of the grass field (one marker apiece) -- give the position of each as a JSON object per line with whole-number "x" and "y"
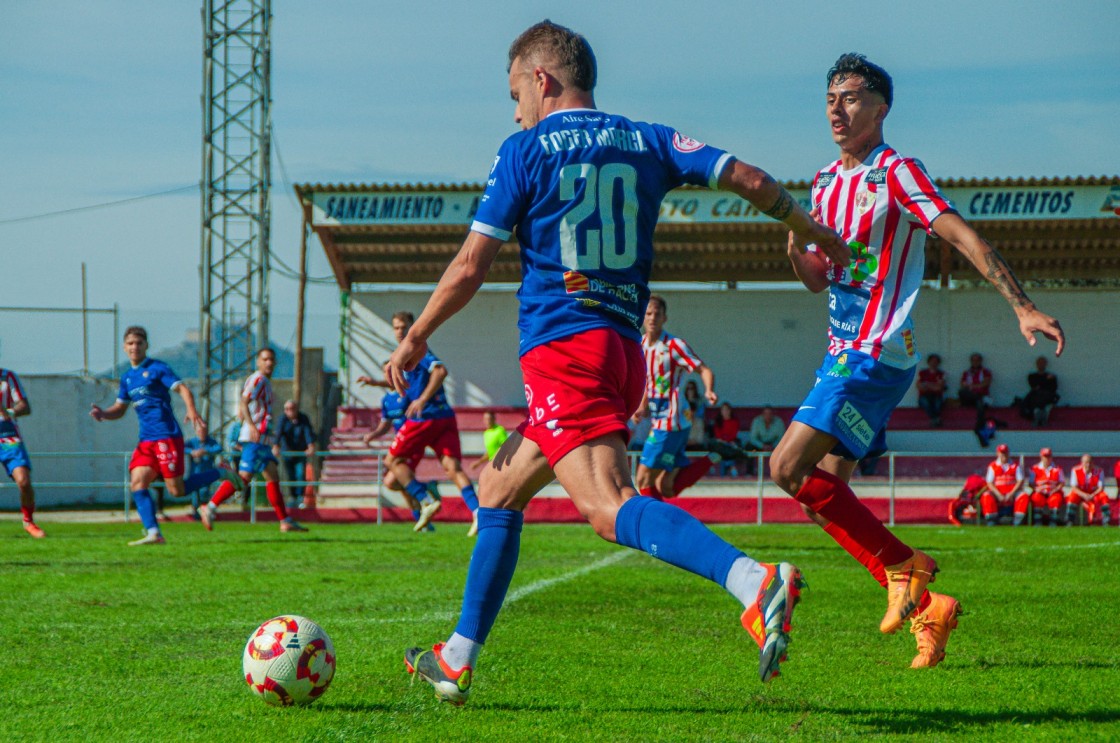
{"x": 596, "y": 643}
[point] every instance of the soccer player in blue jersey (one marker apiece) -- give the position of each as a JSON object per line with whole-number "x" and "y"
{"x": 583, "y": 188}
{"x": 148, "y": 385}
{"x": 13, "y": 454}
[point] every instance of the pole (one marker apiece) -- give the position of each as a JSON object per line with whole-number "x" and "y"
{"x": 760, "y": 464}
{"x": 85, "y": 326}
{"x": 116, "y": 336}
{"x": 891, "y": 461}
{"x": 301, "y": 296}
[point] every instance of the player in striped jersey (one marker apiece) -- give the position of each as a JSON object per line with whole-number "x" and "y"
{"x": 13, "y": 454}
{"x": 667, "y": 358}
{"x": 882, "y": 204}
{"x": 255, "y": 412}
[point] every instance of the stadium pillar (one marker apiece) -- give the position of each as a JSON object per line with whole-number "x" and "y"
{"x": 301, "y": 297}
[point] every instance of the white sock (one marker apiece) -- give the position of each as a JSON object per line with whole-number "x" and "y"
{"x": 211, "y": 508}
{"x": 744, "y": 580}
{"x": 459, "y": 651}
{"x": 153, "y": 532}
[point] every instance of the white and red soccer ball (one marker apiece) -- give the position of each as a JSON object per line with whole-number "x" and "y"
{"x": 288, "y": 660}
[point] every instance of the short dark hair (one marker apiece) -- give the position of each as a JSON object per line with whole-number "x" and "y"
{"x": 266, "y": 349}
{"x": 875, "y": 78}
{"x": 660, "y": 302}
{"x": 933, "y": 356}
{"x": 136, "y": 330}
{"x": 404, "y": 316}
{"x": 562, "y": 46}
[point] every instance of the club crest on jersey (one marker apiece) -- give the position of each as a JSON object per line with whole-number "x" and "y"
{"x": 864, "y": 201}
{"x": 825, "y": 179}
{"x": 876, "y": 176}
{"x": 682, "y": 143}
{"x": 574, "y": 281}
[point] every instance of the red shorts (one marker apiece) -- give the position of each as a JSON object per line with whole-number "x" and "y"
{"x": 441, "y": 435}
{"x": 165, "y": 455}
{"x": 581, "y": 388}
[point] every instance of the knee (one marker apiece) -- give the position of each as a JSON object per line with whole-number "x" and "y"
{"x": 602, "y": 519}
{"x": 787, "y": 472}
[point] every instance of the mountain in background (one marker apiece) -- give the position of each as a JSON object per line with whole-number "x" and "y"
{"x": 183, "y": 359}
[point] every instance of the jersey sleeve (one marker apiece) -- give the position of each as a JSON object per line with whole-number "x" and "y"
{"x": 684, "y": 355}
{"x": 431, "y": 361}
{"x": 991, "y": 476}
{"x": 917, "y": 194}
{"x": 503, "y": 202}
{"x": 689, "y": 161}
{"x": 168, "y": 376}
{"x": 122, "y": 392}
{"x": 252, "y": 387}
{"x": 15, "y": 390}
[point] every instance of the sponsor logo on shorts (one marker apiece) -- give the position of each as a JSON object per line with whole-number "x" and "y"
{"x": 840, "y": 369}
{"x": 852, "y": 422}
{"x": 877, "y": 175}
{"x": 682, "y": 143}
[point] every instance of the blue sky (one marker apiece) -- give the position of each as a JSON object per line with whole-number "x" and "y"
{"x": 101, "y": 101}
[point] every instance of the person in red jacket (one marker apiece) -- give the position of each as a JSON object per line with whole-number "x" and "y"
{"x": 1086, "y": 485}
{"x": 1047, "y": 481}
{"x": 964, "y": 505}
{"x": 1003, "y": 482}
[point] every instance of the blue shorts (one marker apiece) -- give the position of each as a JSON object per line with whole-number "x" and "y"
{"x": 255, "y": 457}
{"x": 13, "y": 455}
{"x": 852, "y": 400}
{"x": 664, "y": 450}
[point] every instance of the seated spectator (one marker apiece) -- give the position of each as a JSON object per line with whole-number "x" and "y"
{"x": 233, "y": 445}
{"x": 931, "y": 389}
{"x": 202, "y": 456}
{"x": 1047, "y": 481}
{"x": 726, "y": 430}
{"x": 1001, "y": 486}
{"x": 975, "y": 392}
{"x": 1086, "y": 486}
{"x": 1043, "y": 394}
{"x": 695, "y": 407}
{"x": 766, "y": 431}
{"x": 963, "y": 507}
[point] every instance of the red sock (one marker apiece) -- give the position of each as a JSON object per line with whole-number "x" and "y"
{"x": 27, "y": 512}
{"x": 690, "y": 475}
{"x": 862, "y": 556}
{"x": 224, "y": 491}
{"x": 276, "y": 499}
{"x": 831, "y": 497}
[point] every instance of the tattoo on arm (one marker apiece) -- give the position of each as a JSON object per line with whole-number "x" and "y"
{"x": 999, "y": 273}
{"x": 782, "y": 208}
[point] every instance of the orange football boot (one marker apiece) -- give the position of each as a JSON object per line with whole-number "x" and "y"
{"x": 932, "y": 628}
{"x": 906, "y": 582}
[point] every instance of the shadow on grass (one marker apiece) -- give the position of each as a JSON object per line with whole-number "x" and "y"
{"x": 931, "y": 720}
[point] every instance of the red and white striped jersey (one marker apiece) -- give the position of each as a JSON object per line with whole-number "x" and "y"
{"x": 1004, "y": 476}
{"x": 667, "y": 359}
{"x": 1047, "y": 480}
{"x": 11, "y": 393}
{"x": 1089, "y": 482}
{"x": 883, "y": 209}
{"x": 258, "y": 391}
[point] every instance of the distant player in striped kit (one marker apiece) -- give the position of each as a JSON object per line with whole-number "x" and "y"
{"x": 256, "y": 437}
{"x": 147, "y": 386}
{"x": 1046, "y": 495}
{"x": 13, "y": 454}
{"x": 667, "y": 358}
{"x": 1086, "y": 486}
{"x": 882, "y": 204}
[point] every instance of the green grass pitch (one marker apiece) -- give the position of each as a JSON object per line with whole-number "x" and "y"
{"x": 106, "y": 642}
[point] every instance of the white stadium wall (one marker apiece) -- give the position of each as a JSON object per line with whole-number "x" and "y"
{"x": 765, "y": 344}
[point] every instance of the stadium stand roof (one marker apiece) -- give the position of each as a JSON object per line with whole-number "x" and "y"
{"x": 1046, "y": 228}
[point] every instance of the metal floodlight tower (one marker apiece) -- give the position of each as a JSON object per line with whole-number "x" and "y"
{"x": 236, "y": 182}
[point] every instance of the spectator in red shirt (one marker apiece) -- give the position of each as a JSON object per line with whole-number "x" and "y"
{"x": 964, "y": 505}
{"x": 726, "y": 429}
{"x": 976, "y": 386}
{"x": 931, "y": 389}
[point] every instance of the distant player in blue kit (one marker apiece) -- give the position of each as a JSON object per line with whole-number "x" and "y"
{"x": 147, "y": 386}
{"x": 13, "y": 454}
{"x": 583, "y": 189}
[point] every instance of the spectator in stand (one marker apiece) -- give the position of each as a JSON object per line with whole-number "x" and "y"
{"x": 295, "y": 447}
{"x": 493, "y": 436}
{"x": 766, "y": 431}
{"x": 1043, "y": 394}
{"x": 726, "y": 429}
{"x": 931, "y": 389}
{"x": 694, "y": 410}
{"x": 1002, "y": 483}
{"x": 975, "y": 392}
{"x": 1086, "y": 486}
{"x": 233, "y": 444}
{"x": 202, "y": 456}
{"x": 1047, "y": 481}
{"x": 964, "y": 505}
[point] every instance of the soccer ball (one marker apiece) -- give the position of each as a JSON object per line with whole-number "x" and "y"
{"x": 288, "y": 660}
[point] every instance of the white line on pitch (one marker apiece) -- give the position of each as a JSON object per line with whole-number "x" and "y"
{"x": 520, "y": 593}
{"x": 1036, "y": 548}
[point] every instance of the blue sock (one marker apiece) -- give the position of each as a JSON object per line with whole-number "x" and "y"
{"x": 146, "y": 508}
{"x": 674, "y": 536}
{"x": 470, "y": 498}
{"x": 200, "y": 480}
{"x": 415, "y": 515}
{"x": 490, "y": 571}
{"x": 417, "y": 490}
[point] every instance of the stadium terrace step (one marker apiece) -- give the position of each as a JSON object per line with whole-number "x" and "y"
{"x": 1067, "y": 418}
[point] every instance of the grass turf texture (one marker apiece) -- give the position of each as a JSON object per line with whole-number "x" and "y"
{"x": 108, "y": 642}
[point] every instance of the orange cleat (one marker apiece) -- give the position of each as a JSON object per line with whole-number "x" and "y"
{"x": 906, "y": 582}
{"x": 768, "y": 619}
{"x": 932, "y": 628}
{"x": 33, "y": 529}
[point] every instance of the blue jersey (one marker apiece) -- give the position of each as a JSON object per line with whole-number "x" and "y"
{"x": 418, "y": 380}
{"x": 392, "y": 409}
{"x": 584, "y": 189}
{"x": 148, "y": 387}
